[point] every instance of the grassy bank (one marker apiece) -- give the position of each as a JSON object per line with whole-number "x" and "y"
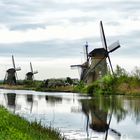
{"x": 121, "y": 82}
{"x": 13, "y": 127}
{"x": 37, "y": 86}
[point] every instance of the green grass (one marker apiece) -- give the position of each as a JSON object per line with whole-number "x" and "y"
{"x": 13, "y": 127}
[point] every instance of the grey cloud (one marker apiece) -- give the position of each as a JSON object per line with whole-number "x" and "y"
{"x": 71, "y": 48}
{"x": 54, "y": 48}
{"x": 27, "y": 26}
{"x": 115, "y": 23}
{"x": 17, "y": 14}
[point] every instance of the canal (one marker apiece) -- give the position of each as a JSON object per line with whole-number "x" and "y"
{"x": 76, "y": 116}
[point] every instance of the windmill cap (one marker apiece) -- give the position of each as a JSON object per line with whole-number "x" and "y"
{"x": 11, "y": 70}
{"x": 98, "y": 51}
{"x": 29, "y": 73}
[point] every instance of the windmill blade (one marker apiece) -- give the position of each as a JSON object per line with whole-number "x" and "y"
{"x": 73, "y": 66}
{"x": 86, "y": 47}
{"x": 16, "y": 76}
{"x": 110, "y": 64}
{"x": 18, "y": 68}
{"x": 114, "y": 46}
{"x": 114, "y": 132}
{"x": 109, "y": 124}
{"x": 14, "y": 66}
{"x": 31, "y": 67}
{"x": 35, "y": 72}
{"x": 5, "y": 77}
{"x": 103, "y": 39}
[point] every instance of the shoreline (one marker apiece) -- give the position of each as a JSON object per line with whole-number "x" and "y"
{"x": 19, "y": 128}
{"x": 23, "y": 87}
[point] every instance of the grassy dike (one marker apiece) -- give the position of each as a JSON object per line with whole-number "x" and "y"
{"x": 13, "y": 127}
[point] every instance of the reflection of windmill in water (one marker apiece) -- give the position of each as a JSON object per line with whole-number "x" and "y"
{"x": 98, "y": 58}
{"x": 11, "y": 74}
{"x": 30, "y": 100}
{"x": 97, "y": 119}
{"x": 11, "y": 101}
{"x": 30, "y": 75}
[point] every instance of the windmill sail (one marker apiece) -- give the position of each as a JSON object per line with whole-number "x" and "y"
{"x": 35, "y": 72}
{"x": 14, "y": 66}
{"x": 86, "y": 48}
{"x": 31, "y": 67}
{"x": 103, "y": 39}
{"x": 114, "y": 46}
{"x": 18, "y": 69}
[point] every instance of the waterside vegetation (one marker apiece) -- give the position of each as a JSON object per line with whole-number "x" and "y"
{"x": 49, "y": 85}
{"x": 13, "y": 127}
{"x": 121, "y": 82}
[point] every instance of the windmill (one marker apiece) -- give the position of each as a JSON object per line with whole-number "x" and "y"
{"x": 11, "y": 75}
{"x": 30, "y": 75}
{"x": 99, "y": 56}
{"x": 84, "y": 67}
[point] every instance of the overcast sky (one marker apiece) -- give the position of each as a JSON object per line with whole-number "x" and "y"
{"x": 51, "y": 34}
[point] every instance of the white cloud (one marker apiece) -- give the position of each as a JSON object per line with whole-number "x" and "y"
{"x": 67, "y": 20}
{"x": 67, "y": 32}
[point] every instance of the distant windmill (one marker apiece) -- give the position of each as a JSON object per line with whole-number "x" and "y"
{"x": 99, "y": 58}
{"x": 30, "y": 75}
{"x": 11, "y": 75}
{"x": 84, "y": 67}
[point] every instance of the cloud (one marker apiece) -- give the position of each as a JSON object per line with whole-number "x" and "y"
{"x": 25, "y": 27}
{"x": 59, "y": 29}
{"x": 53, "y": 48}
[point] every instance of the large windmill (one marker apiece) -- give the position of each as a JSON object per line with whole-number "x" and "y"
{"x": 11, "y": 74}
{"x": 83, "y": 67}
{"x": 30, "y": 75}
{"x": 98, "y": 57}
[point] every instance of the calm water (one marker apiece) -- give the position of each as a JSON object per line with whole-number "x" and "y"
{"x": 78, "y": 117}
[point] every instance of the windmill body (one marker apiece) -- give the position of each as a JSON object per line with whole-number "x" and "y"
{"x": 98, "y": 67}
{"x": 30, "y": 75}
{"x": 11, "y": 75}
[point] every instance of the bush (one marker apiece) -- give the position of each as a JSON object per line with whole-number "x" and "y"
{"x": 80, "y": 87}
